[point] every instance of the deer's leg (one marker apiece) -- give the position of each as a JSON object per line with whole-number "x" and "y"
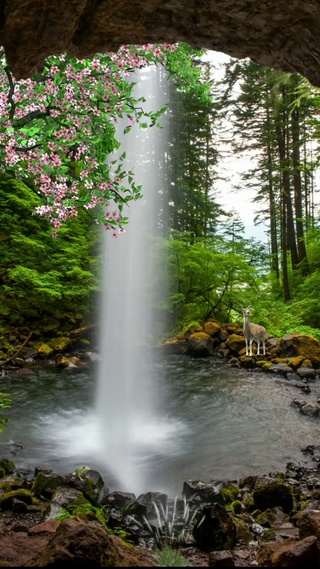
{"x": 258, "y": 346}
{"x": 251, "y": 346}
{"x": 247, "y": 352}
{"x": 264, "y": 346}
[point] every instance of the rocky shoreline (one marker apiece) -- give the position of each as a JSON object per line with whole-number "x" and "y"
{"x": 48, "y": 520}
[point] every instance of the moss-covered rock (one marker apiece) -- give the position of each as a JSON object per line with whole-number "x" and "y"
{"x": 200, "y": 345}
{"x": 236, "y": 507}
{"x": 212, "y": 328}
{"x": 174, "y": 345}
{"x": 301, "y": 345}
{"x": 214, "y": 529}
{"x": 6, "y": 501}
{"x": 59, "y": 344}
{"x": 269, "y": 493}
{"x": 229, "y": 492}
{"x": 235, "y": 343}
{"x": 42, "y": 348}
{"x": 295, "y": 362}
{"x": 46, "y": 483}
{"x": 243, "y": 534}
{"x": 7, "y": 465}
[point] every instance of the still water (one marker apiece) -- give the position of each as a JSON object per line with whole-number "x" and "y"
{"x": 218, "y": 422}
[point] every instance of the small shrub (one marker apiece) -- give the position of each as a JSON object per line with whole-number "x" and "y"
{"x": 166, "y": 529}
{"x": 168, "y": 557}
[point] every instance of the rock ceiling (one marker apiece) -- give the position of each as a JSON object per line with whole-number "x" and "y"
{"x": 279, "y": 33}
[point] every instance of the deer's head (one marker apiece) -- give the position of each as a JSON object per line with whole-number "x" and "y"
{"x": 246, "y": 311}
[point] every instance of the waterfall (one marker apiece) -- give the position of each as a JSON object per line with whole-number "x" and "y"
{"x": 128, "y": 426}
{"x": 127, "y": 432}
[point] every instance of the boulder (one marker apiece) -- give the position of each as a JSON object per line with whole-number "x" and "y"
{"x": 212, "y": 328}
{"x": 174, "y": 345}
{"x": 303, "y": 553}
{"x": 293, "y": 345}
{"x": 200, "y": 345}
{"x": 79, "y": 544}
{"x": 309, "y": 523}
{"x": 214, "y": 529}
{"x": 235, "y": 343}
{"x": 269, "y": 493}
{"x": 201, "y": 492}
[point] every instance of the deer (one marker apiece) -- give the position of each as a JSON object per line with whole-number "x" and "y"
{"x": 253, "y": 333}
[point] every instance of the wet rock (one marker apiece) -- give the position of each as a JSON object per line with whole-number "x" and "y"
{"x": 79, "y": 544}
{"x": 280, "y": 369}
{"x": 221, "y": 559}
{"x": 150, "y": 499}
{"x": 298, "y": 403}
{"x": 7, "y": 499}
{"x": 87, "y": 481}
{"x": 200, "y": 345}
{"x": 293, "y": 554}
{"x": 306, "y": 372}
{"x": 214, "y": 529}
{"x": 174, "y": 345}
{"x": 269, "y": 493}
{"x": 292, "y": 377}
{"x": 62, "y": 499}
{"x": 71, "y": 361}
{"x": 119, "y": 500}
{"x": 46, "y": 483}
{"x": 310, "y": 409}
{"x": 199, "y": 492}
{"x": 309, "y": 523}
{"x": 7, "y": 466}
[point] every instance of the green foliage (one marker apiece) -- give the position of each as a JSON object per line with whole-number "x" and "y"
{"x": 168, "y": 557}
{"x": 209, "y": 277}
{"x": 5, "y": 403}
{"x": 42, "y": 276}
{"x": 88, "y": 511}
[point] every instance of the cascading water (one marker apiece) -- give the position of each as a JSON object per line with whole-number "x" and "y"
{"x": 128, "y": 426}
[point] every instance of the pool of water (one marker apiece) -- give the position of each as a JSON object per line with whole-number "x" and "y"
{"x": 219, "y": 422}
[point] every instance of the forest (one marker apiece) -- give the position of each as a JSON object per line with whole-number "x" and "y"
{"x": 49, "y": 275}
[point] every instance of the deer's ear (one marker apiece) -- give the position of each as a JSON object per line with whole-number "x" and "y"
{"x": 242, "y": 307}
{"x": 250, "y": 306}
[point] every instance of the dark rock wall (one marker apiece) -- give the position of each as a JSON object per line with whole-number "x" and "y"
{"x": 277, "y": 33}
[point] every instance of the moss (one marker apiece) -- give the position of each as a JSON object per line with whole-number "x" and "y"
{"x": 269, "y": 535}
{"x": 59, "y": 344}
{"x": 38, "y": 484}
{"x": 267, "y": 365}
{"x": 20, "y": 494}
{"x": 249, "y": 504}
{"x": 236, "y": 507}
{"x": 304, "y": 504}
{"x": 7, "y": 465}
{"x": 43, "y": 349}
{"x": 272, "y": 494}
{"x": 243, "y": 534}
{"x": 2, "y": 473}
{"x": 229, "y": 494}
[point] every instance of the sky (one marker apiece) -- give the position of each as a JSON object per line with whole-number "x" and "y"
{"x": 231, "y": 168}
